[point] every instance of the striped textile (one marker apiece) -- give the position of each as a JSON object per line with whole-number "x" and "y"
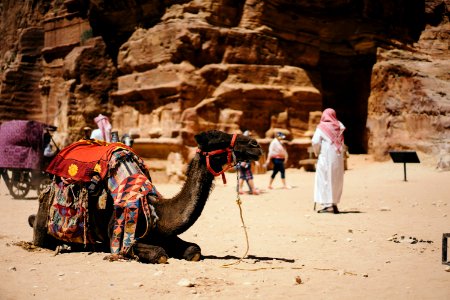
{"x": 130, "y": 188}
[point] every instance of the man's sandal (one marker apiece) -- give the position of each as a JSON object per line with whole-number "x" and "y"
{"x": 331, "y": 210}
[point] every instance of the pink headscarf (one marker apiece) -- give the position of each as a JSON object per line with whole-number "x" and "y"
{"x": 105, "y": 127}
{"x": 331, "y": 126}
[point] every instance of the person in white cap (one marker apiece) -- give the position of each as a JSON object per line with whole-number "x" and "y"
{"x": 278, "y": 155}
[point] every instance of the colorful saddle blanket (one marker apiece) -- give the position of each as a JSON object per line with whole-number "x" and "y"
{"x": 128, "y": 183}
{"x": 68, "y": 216}
{"x": 81, "y": 160}
{"x": 131, "y": 188}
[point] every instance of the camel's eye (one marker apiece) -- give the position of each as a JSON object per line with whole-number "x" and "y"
{"x": 253, "y": 143}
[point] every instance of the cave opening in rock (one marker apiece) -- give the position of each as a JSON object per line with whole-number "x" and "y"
{"x": 346, "y": 88}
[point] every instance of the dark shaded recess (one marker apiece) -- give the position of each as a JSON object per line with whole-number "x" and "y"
{"x": 332, "y": 9}
{"x": 403, "y": 19}
{"x": 228, "y": 13}
{"x": 435, "y": 15}
{"x": 346, "y": 80}
{"x": 346, "y": 88}
{"x": 115, "y": 21}
{"x": 79, "y": 6}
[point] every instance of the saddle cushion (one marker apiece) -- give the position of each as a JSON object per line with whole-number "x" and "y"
{"x": 81, "y": 160}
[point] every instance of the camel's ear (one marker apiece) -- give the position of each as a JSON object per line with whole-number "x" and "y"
{"x": 201, "y": 138}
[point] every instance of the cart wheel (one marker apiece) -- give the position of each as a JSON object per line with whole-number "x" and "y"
{"x": 20, "y": 183}
{"x": 43, "y": 184}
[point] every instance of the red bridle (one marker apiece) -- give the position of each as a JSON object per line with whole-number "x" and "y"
{"x": 229, "y": 165}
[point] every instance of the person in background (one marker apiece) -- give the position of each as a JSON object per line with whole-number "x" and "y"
{"x": 49, "y": 152}
{"x": 114, "y": 136}
{"x": 103, "y": 132}
{"x": 246, "y": 174}
{"x": 279, "y": 156}
{"x": 127, "y": 140}
{"x": 87, "y": 132}
{"x": 48, "y": 148}
{"x": 328, "y": 145}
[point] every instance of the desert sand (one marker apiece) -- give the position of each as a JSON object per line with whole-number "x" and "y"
{"x": 352, "y": 255}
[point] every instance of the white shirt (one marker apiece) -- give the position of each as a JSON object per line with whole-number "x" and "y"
{"x": 276, "y": 150}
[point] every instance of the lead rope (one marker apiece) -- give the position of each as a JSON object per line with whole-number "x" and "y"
{"x": 239, "y": 202}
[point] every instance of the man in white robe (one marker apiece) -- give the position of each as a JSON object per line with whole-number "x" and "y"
{"x": 328, "y": 145}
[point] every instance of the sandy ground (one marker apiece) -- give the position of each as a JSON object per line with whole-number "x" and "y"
{"x": 345, "y": 256}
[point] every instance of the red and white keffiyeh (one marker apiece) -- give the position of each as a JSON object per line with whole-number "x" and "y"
{"x": 334, "y": 129}
{"x": 105, "y": 127}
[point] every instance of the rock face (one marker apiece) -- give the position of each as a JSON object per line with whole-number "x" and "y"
{"x": 20, "y": 60}
{"x": 409, "y": 104}
{"x": 165, "y": 70}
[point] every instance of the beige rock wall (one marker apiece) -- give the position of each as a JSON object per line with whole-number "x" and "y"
{"x": 409, "y": 104}
{"x": 165, "y": 70}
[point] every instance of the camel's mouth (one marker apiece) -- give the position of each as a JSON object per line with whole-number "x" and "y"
{"x": 254, "y": 155}
{"x": 251, "y": 151}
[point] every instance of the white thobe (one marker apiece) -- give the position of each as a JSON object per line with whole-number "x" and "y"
{"x": 329, "y": 178}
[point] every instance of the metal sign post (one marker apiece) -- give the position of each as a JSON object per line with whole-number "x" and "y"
{"x": 404, "y": 157}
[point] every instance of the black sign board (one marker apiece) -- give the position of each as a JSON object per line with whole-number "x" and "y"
{"x": 404, "y": 157}
{"x": 445, "y": 237}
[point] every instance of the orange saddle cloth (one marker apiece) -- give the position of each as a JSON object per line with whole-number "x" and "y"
{"x": 81, "y": 160}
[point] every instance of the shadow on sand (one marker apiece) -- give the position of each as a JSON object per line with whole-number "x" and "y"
{"x": 351, "y": 212}
{"x": 256, "y": 258}
{"x": 27, "y": 198}
{"x": 341, "y": 212}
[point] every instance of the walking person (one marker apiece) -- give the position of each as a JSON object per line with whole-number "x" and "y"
{"x": 279, "y": 156}
{"x": 246, "y": 174}
{"x": 328, "y": 145}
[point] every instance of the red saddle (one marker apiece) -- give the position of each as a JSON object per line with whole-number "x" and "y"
{"x": 81, "y": 160}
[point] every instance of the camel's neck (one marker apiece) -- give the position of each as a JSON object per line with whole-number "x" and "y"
{"x": 179, "y": 213}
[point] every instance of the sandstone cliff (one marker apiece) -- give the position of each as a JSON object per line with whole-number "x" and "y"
{"x": 409, "y": 104}
{"x": 164, "y": 70}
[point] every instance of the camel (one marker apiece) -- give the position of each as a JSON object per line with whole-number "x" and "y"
{"x": 175, "y": 215}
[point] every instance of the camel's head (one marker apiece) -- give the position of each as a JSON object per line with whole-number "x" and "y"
{"x": 243, "y": 147}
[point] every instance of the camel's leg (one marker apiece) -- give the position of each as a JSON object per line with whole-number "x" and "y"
{"x": 180, "y": 249}
{"x": 147, "y": 253}
{"x": 150, "y": 254}
{"x": 31, "y": 220}
{"x": 39, "y": 222}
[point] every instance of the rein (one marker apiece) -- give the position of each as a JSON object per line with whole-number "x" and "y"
{"x": 230, "y": 158}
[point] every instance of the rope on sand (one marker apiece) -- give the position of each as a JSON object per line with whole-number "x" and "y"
{"x": 239, "y": 202}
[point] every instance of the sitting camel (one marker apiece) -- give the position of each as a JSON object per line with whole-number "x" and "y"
{"x": 159, "y": 221}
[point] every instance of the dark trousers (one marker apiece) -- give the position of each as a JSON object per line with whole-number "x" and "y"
{"x": 278, "y": 166}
